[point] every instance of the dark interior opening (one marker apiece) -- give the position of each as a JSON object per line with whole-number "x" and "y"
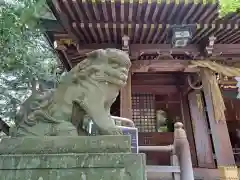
{"x": 115, "y": 108}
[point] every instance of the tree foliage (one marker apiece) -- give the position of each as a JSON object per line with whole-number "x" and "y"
{"x": 229, "y": 6}
{"x": 27, "y": 61}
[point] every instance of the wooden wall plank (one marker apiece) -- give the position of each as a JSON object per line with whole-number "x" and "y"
{"x": 201, "y": 131}
{"x": 219, "y": 130}
{"x": 156, "y": 139}
{"x": 154, "y": 89}
{"x": 126, "y": 99}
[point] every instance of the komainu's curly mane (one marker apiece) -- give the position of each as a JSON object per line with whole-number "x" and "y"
{"x": 92, "y": 86}
{"x": 103, "y": 65}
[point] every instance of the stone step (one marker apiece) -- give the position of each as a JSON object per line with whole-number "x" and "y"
{"x": 162, "y": 176}
{"x": 56, "y": 144}
{"x": 105, "y": 166}
{"x": 169, "y": 177}
{"x": 75, "y": 158}
{"x": 163, "y": 172}
{"x": 161, "y": 169}
{"x": 166, "y": 173}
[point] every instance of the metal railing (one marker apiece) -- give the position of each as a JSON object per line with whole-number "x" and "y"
{"x": 182, "y": 151}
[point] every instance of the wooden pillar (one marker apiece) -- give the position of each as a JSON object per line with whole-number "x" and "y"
{"x": 201, "y": 130}
{"x": 126, "y": 92}
{"x": 126, "y": 100}
{"x": 186, "y": 119}
{"x": 220, "y": 136}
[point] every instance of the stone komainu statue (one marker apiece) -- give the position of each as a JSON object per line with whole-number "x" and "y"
{"x": 89, "y": 89}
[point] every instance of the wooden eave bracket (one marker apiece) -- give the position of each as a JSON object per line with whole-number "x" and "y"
{"x": 210, "y": 47}
{"x": 61, "y": 47}
{"x": 166, "y": 55}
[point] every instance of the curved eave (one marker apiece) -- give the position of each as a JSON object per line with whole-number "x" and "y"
{"x": 143, "y": 21}
{"x": 92, "y": 22}
{"x": 88, "y": 33}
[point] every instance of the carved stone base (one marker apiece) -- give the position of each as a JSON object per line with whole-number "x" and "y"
{"x": 111, "y": 161}
{"x": 228, "y": 172}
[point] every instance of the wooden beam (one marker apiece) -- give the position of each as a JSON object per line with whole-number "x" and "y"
{"x": 226, "y": 49}
{"x": 138, "y": 49}
{"x": 162, "y": 66}
{"x": 222, "y": 52}
{"x": 200, "y": 130}
{"x": 154, "y": 89}
{"x": 126, "y": 92}
{"x": 83, "y": 49}
{"x": 154, "y": 78}
{"x": 126, "y": 99}
{"x": 228, "y": 82}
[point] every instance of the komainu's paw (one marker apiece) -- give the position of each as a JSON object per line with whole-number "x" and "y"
{"x": 111, "y": 131}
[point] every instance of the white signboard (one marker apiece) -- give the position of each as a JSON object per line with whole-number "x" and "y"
{"x": 133, "y": 132}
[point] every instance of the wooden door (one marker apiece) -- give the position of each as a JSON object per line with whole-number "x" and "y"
{"x": 201, "y": 130}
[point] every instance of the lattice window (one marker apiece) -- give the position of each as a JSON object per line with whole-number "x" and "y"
{"x": 143, "y": 106}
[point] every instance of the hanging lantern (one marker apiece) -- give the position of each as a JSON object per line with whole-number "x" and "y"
{"x": 181, "y": 35}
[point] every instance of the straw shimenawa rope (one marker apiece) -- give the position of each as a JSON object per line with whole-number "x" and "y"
{"x": 208, "y": 70}
{"x": 215, "y": 67}
{"x": 209, "y": 80}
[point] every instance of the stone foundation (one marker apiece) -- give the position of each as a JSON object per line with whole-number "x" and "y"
{"x": 70, "y": 158}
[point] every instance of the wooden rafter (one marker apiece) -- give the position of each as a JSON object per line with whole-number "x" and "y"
{"x": 141, "y": 32}
{"x": 189, "y": 11}
{"x": 143, "y": 21}
{"x": 64, "y": 19}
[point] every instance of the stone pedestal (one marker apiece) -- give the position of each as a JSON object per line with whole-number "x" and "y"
{"x": 70, "y": 158}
